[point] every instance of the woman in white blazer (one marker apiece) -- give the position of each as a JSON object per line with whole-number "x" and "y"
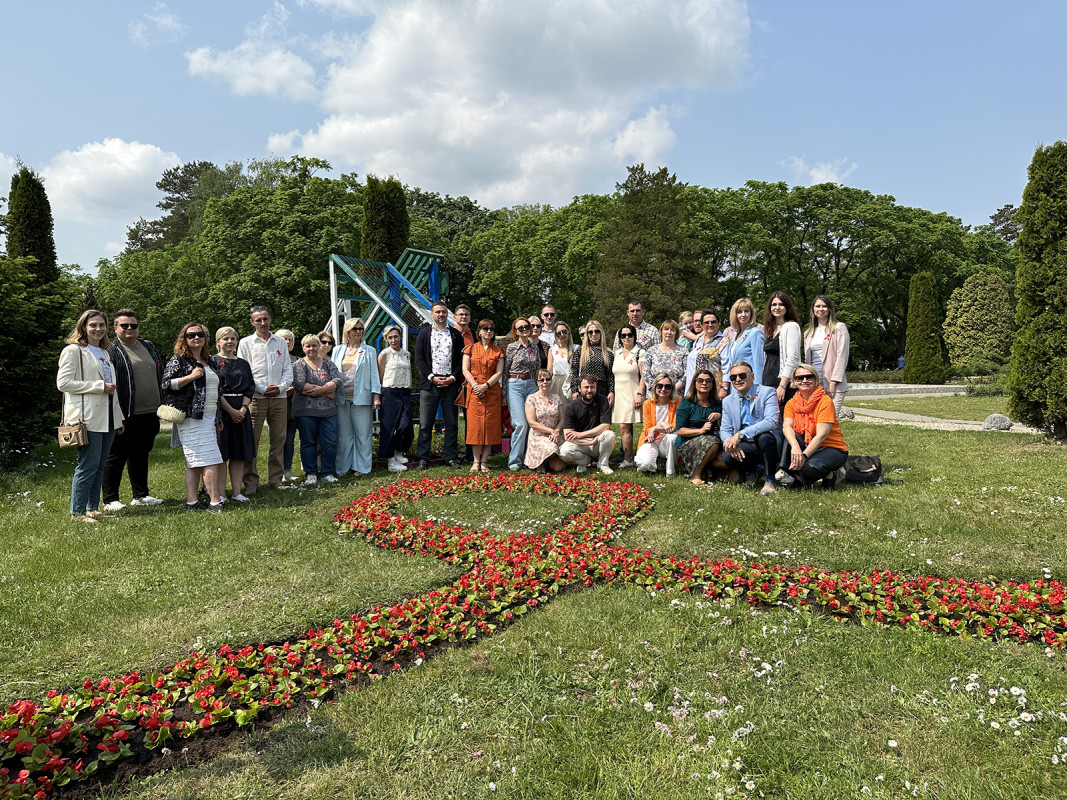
{"x": 356, "y": 399}
{"x": 87, "y": 379}
{"x": 781, "y": 346}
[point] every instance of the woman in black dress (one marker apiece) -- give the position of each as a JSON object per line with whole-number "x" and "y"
{"x": 236, "y": 442}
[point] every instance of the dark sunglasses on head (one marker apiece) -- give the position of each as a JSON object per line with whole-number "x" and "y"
{"x": 129, "y": 326}
{"x": 741, "y": 376}
{"x": 195, "y": 335}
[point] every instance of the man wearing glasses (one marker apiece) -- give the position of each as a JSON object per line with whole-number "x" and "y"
{"x": 439, "y": 357}
{"x": 138, "y": 373}
{"x": 548, "y": 314}
{"x": 749, "y": 428}
{"x": 272, "y": 372}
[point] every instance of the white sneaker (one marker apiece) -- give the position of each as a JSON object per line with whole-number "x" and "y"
{"x": 624, "y": 464}
{"x": 289, "y": 478}
{"x": 240, "y": 498}
{"x": 117, "y": 505}
{"x": 329, "y": 479}
{"x": 605, "y": 469}
{"x": 581, "y": 468}
{"x": 147, "y": 500}
{"x": 395, "y": 466}
{"x": 400, "y": 458}
{"x": 311, "y": 480}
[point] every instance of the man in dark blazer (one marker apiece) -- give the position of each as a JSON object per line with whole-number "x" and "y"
{"x": 439, "y": 357}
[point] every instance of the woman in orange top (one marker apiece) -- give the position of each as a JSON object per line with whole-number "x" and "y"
{"x": 483, "y": 368}
{"x": 658, "y": 420}
{"x": 810, "y": 426}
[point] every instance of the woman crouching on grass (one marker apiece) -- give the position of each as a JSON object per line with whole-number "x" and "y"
{"x": 697, "y": 420}
{"x": 810, "y": 426}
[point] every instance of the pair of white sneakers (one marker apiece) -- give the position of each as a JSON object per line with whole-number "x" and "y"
{"x": 398, "y": 463}
{"x": 311, "y": 480}
{"x": 147, "y": 500}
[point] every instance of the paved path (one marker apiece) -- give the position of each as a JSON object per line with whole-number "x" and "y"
{"x": 872, "y": 391}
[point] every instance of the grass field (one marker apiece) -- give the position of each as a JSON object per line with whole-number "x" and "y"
{"x": 609, "y": 692}
{"x": 958, "y": 406}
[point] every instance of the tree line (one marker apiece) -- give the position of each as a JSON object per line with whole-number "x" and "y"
{"x": 232, "y": 236}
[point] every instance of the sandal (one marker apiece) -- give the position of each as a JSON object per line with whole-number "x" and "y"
{"x": 474, "y": 468}
{"x": 485, "y": 468}
{"x": 696, "y": 481}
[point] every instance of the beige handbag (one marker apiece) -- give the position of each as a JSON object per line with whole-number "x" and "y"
{"x": 77, "y": 433}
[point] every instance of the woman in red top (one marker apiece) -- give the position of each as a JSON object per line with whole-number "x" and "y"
{"x": 810, "y": 426}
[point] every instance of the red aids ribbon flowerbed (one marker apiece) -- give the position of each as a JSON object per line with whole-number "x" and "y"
{"x": 85, "y": 732}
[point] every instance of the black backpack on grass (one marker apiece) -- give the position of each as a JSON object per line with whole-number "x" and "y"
{"x": 862, "y": 469}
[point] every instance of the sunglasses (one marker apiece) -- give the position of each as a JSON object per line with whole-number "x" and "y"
{"x": 486, "y": 330}
{"x": 626, "y": 336}
{"x": 356, "y": 328}
{"x": 663, "y": 387}
{"x": 325, "y": 341}
{"x": 740, "y": 377}
{"x": 594, "y": 330}
{"x": 195, "y": 335}
{"x": 804, "y": 377}
{"x": 522, "y": 327}
{"x": 535, "y": 325}
{"x": 713, "y": 322}
{"x": 703, "y": 380}
{"x": 544, "y": 380}
{"x": 550, "y": 314}
{"x": 129, "y": 326}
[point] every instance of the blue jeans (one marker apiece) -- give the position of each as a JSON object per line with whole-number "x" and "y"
{"x": 429, "y": 401}
{"x": 396, "y": 431}
{"x": 316, "y": 432}
{"x": 290, "y": 444}
{"x": 518, "y": 391}
{"x": 89, "y": 473}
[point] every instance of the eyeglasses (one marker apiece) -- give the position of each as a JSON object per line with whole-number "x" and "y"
{"x": 626, "y": 336}
{"x": 740, "y": 377}
{"x": 713, "y": 322}
{"x": 522, "y": 327}
{"x": 663, "y": 387}
{"x": 805, "y": 377}
{"x": 195, "y": 335}
{"x": 129, "y": 326}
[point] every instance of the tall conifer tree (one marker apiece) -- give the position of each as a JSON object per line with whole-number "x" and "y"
{"x": 386, "y": 224}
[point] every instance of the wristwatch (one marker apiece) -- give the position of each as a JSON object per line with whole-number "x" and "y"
{"x": 742, "y": 435}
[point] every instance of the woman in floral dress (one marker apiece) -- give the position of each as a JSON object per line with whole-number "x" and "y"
{"x": 544, "y": 415}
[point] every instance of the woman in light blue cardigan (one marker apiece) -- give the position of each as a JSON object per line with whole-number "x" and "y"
{"x": 360, "y": 394}
{"x": 746, "y": 344}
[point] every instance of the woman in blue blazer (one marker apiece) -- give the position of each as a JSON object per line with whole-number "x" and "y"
{"x": 357, "y": 398}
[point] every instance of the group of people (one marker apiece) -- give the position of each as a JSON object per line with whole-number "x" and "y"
{"x": 715, "y": 403}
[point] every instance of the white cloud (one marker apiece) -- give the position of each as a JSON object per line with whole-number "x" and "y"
{"x": 251, "y": 70}
{"x": 823, "y": 171}
{"x": 109, "y": 181}
{"x": 262, "y": 64}
{"x": 510, "y": 102}
{"x": 158, "y": 26}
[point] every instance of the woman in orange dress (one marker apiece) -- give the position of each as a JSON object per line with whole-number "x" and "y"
{"x": 483, "y": 369}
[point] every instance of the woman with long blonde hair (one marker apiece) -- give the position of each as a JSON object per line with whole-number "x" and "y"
{"x": 746, "y": 339}
{"x": 594, "y": 360}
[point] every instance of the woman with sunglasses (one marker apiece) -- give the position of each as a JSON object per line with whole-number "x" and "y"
{"x": 356, "y": 400}
{"x": 816, "y": 447}
{"x": 191, "y": 383}
{"x": 627, "y": 361}
{"x": 594, "y": 360}
{"x": 397, "y": 430}
{"x": 697, "y": 420}
{"x": 522, "y": 360}
{"x": 483, "y": 370}
{"x": 559, "y": 359}
{"x": 327, "y": 343}
{"x": 544, "y": 415}
{"x": 659, "y": 415}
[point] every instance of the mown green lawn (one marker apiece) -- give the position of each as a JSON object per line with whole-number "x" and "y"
{"x": 958, "y": 406}
{"x": 609, "y": 692}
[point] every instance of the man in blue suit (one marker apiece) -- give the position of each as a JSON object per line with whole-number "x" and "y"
{"x": 749, "y": 427}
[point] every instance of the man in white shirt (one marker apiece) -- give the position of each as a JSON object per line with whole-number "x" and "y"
{"x": 548, "y": 333}
{"x": 272, "y": 371}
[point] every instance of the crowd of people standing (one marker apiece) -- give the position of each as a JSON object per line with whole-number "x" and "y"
{"x": 760, "y": 397}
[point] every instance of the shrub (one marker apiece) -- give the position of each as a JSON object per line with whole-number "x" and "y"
{"x": 979, "y": 325}
{"x": 923, "y": 354}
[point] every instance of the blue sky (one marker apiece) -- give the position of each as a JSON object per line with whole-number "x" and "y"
{"x": 938, "y": 104}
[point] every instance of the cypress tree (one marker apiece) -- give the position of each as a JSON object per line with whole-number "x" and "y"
{"x": 979, "y": 324}
{"x": 923, "y": 352}
{"x": 29, "y": 227}
{"x": 386, "y": 223}
{"x": 1037, "y": 385}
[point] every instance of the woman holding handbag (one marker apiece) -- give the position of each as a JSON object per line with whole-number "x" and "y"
{"x": 191, "y": 383}
{"x": 87, "y": 379}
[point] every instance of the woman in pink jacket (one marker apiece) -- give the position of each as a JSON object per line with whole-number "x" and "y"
{"x": 826, "y": 344}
